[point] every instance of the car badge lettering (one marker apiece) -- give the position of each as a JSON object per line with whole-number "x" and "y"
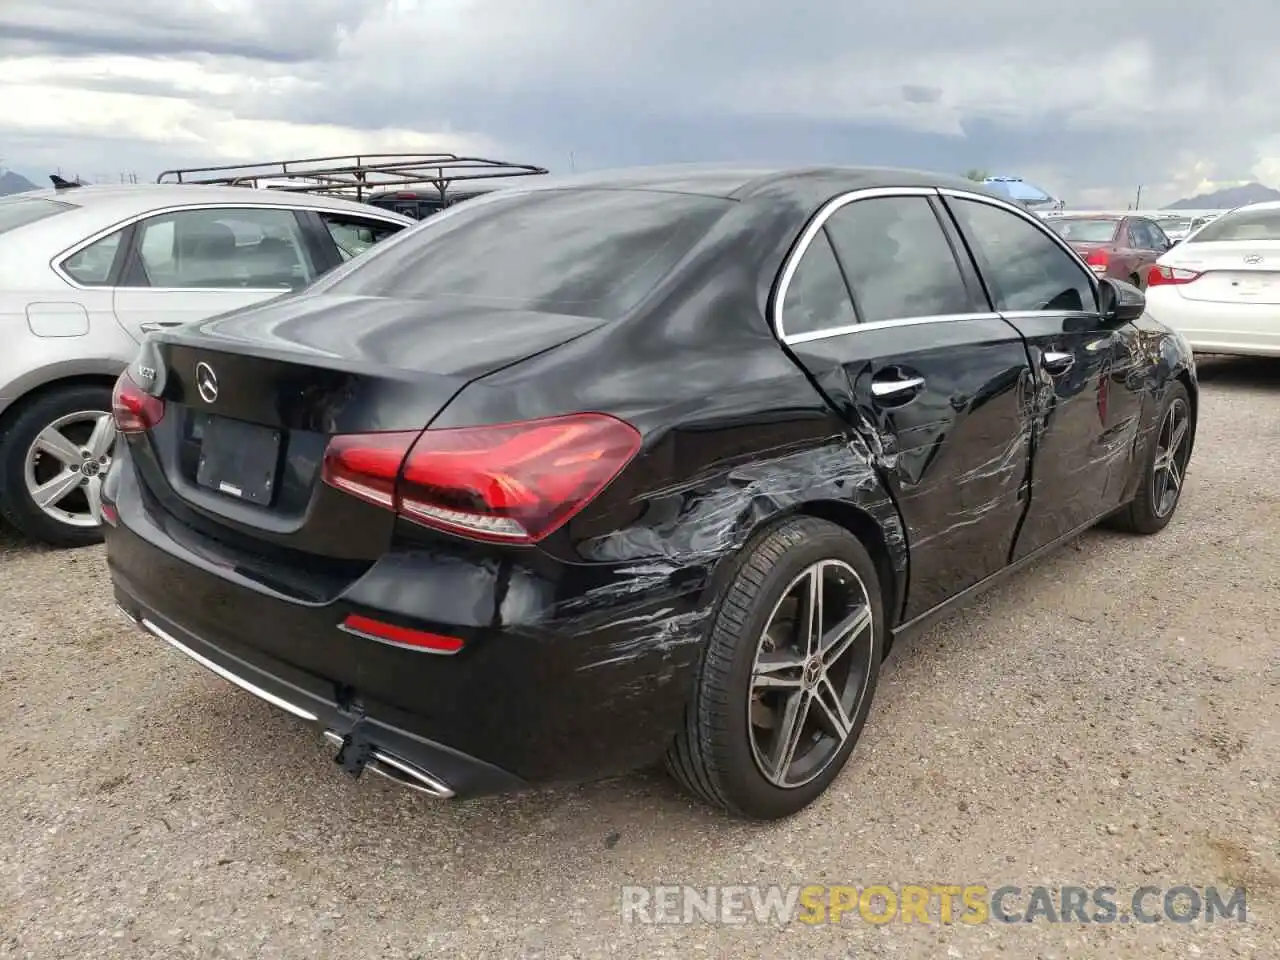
{"x": 206, "y": 382}
{"x": 1253, "y": 258}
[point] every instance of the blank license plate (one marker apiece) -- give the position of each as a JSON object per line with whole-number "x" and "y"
{"x": 239, "y": 459}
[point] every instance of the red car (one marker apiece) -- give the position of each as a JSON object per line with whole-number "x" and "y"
{"x": 1120, "y": 247}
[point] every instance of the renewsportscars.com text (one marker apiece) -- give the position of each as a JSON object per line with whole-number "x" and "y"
{"x": 930, "y": 903}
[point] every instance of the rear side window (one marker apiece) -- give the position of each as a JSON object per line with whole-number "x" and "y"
{"x": 354, "y": 235}
{"x": 1242, "y": 225}
{"x": 817, "y": 297}
{"x": 15, "y": 212}
{"x": 897, "y": 259}
{"x": 92, "y": 265}
{"x": 593, "y": 253}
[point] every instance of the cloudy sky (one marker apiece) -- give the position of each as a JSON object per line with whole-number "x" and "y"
{"x": 1088, "y": 101}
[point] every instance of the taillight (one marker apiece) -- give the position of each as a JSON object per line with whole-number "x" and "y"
{"x": 132, "y": 408}
{"x": 1098, "y": 260}
{"x": 510, "y": 483}
{"x": 1161, "y": 275}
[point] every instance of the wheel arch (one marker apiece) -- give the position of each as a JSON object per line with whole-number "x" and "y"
{"x": 29, "y": 391}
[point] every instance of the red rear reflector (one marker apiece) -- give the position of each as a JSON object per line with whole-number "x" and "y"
{"x": 509, "y": 483}
{"x": 400, "y": 636}
{"x": 132, "y": 408}
{"x": 1160, "y": 275}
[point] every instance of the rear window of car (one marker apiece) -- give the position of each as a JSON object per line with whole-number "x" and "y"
{"x": 18, "y": 212}
{"x": 593, "y": 253}
{"x": 1084, "y": 231}
{"x": 1241, "y": 225}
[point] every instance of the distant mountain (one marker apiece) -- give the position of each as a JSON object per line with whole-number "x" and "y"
{"x": 1227, "y": 198}
{"x": 11, "y": 182}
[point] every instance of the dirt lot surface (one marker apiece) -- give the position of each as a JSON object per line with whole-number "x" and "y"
{"x": 1110, "y": 717}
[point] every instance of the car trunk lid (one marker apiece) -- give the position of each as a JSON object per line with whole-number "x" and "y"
{"x": 252, "y": 400}
{"x": 1232, "y": 271}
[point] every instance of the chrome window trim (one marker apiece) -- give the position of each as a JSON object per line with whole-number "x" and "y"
{"x": 57, "y": 260}
{"x": 816, "y": 223}
{"x": 886, "y": 325}
{"x": 1035, "y": 221}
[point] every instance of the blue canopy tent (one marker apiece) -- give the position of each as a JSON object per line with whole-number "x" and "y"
{"x": 1025, "y": 193}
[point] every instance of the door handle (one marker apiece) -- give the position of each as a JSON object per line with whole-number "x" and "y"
{"x": 1055, "y": 361}
{"x": 897, "y": 387}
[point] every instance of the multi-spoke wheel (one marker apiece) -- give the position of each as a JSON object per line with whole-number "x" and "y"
{"x": 789, "y": 673}
{"x": 56, "y": 452}
{"x": 810, "y": 673}
{"x": 1165, "y": 471}
{"x": 1173, "y": 450}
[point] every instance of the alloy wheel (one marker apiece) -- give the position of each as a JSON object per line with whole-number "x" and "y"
{"x": 66, "y": 464}
{"x": 1172, "y": 453}
{"x": 810, "y": 673}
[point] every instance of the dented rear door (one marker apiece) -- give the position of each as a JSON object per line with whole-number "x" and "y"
{"x": 895, "y": 330}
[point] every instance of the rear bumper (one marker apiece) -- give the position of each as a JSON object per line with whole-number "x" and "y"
{"x": 363, "y": 743}
{"x": 1246, "y": 329}
{"x": 562, "y": 678}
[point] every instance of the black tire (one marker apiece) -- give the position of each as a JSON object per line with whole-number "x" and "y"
{"x": 1137, "y": 281}
{"x": 1145, "y": 514}
{"x": 19, "y": 433}
{"x": 712, "y": 756}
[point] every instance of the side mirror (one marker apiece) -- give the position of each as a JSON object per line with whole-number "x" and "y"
{"x": 1120, "y": 302}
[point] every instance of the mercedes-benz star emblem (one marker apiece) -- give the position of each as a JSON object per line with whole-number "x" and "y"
{"x": 1253, "y": 258}
{"x": 206, "y": 382}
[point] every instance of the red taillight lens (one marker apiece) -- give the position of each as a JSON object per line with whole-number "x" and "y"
{"x": 401, "y": 636}
{"x": 511, "y": 483}
{"x": 1098, "y": 260}
{"x": 132, "y": 408}
{"x": 1161, "y": 275}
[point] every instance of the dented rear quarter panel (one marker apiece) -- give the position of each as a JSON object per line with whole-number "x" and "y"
{"x": 736, "y": 438}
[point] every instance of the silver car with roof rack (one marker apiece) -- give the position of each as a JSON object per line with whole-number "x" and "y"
{"x": 87, "y": 271}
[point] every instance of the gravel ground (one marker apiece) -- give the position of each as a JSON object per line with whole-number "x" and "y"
{"x": 1108, "y": 717}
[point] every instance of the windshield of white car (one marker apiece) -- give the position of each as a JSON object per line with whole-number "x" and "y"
{"x": 1241, "y": 225}
{"x": 1084, "y": 231}
{"x": 19, "y": 211}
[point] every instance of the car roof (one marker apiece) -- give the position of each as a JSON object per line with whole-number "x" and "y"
{"x": 802, "y": 184}
{"x": 129, "y": 199}
{"x": 1098, "y": 216}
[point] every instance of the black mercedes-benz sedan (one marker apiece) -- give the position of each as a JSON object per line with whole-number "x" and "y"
{"x": 621, "y": 467}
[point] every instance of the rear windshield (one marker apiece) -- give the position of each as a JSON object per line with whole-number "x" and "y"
{"x": 593, "y": 253}
{"x": 1241, "y": 225}
{"x": 1085, "y": 231}
{"x": 19, "y": 211}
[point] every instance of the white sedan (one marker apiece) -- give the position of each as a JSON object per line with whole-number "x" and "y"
{"x": 1220, "y": 288}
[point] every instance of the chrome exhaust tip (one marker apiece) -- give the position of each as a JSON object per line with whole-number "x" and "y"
{"x": 406, "y": 774}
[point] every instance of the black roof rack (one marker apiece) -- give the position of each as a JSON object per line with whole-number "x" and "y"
{"x": 355, "y": 175}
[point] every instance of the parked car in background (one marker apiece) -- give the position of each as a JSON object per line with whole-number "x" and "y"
{"x": 421, "y": 204}
{"x": 1220, "y": 288}
{"x": 1119, "y": 247}
{"x": 655, "y": 463}
{"x": 87, "y": 271}
{"x": 1178, "y": 227}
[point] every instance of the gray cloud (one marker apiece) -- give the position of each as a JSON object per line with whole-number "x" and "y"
{"x": 990, "y": 83}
